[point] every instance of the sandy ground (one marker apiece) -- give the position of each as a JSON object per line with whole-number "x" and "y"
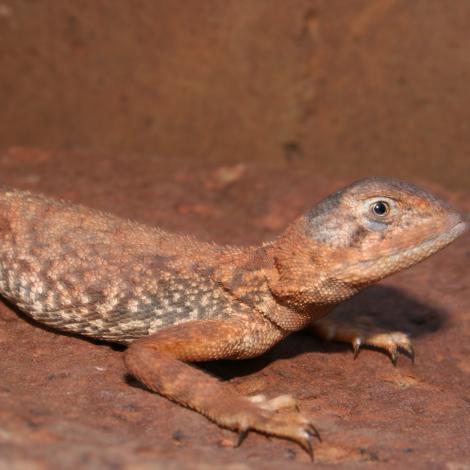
{"x": 66, "y": 402}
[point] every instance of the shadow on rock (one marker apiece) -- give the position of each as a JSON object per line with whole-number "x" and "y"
{"x": 388, "y": 308}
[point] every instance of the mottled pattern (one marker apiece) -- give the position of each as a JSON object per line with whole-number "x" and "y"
{"x": 118, "y": 312}
{"x": 84, "y": 277}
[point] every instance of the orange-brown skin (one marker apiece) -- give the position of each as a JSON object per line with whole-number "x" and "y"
{"x": 175, "y": 300}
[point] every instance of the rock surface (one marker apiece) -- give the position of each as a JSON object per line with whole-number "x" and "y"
{"x": 66, "y": 402}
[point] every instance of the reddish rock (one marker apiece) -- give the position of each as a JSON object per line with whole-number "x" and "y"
{"x": 66, "y": 402}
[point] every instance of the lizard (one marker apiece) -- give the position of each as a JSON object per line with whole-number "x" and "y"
{"x": 174, "y": 300}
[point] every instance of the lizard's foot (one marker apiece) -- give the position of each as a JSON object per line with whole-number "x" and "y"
{"x": 265, "y": 418}
{"x": 363, "y": 334}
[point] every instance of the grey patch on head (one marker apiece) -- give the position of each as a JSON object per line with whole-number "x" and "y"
{"x": 319, "y": 220}
{"x": 327, "y": 224}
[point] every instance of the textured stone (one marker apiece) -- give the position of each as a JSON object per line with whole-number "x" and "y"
{"x": 66, "y": 402}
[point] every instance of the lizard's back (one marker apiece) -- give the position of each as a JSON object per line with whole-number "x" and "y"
{"x": 85, "y": 271}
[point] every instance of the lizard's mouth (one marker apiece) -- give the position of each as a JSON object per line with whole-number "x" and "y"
{"x": 378, "y": 268}
{"x": 432, "y": 244}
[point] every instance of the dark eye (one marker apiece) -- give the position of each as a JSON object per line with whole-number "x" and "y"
{"x": 380, "y": 208}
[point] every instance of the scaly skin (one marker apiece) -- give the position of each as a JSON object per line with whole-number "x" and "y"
{"x": 175, "y": 300}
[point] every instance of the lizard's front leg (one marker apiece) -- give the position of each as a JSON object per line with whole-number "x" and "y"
{"x": 362, "y": 332}
{"x": 159, "y": 361}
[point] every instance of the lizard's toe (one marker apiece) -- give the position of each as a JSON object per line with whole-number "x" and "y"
{"x": 293, "y": 426}
{"x": 363, "y": 332}
{"x": 262, "y": 416}
{"x": 393, "y": 343}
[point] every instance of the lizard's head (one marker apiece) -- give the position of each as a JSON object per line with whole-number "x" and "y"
{"x": 359, "y": 235}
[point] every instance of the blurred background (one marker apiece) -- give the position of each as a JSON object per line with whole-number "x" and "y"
{"x": 342, "y": 87}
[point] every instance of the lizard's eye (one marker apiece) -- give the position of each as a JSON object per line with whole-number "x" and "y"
{"x": 380, "y": 208}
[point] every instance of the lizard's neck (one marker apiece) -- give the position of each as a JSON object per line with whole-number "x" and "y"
{"x": 302, "y": 277}
{"x": 248, "y": 275}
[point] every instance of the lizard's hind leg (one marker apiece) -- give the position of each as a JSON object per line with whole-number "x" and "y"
{"x": 362, "y": 333}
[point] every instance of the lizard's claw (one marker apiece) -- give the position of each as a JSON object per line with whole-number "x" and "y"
{"x": 356, "y": 345}
{"x": 313, "y": 431}
{"x": 265, "y": 418}
{"x": 309, "y": 449}
{"x": 361, "y": 333}
{"x": 241, "y": 436}
{"x": 295, "y": 428}
{"x": 408, "y": 350}
{"x": 392, "y": 343}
